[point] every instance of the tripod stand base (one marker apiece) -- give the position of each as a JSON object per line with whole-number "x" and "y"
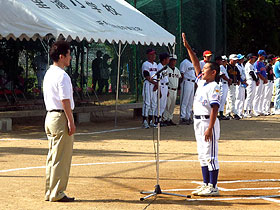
{"x": 158, "y": 192}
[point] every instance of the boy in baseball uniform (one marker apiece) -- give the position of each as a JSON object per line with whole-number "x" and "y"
{"x": 252, "y": 81}
{"x": 206, "y": 125}
{"x": 187, "y": 91}
{"x": 261, "y": 72}
{"x": 173, "y": 81}
{"x": 164, "y": 60}
{"x": 149, "y": 68}
{"x": 225, "y": 81}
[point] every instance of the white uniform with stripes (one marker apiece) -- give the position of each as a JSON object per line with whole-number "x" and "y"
{"x": 173, "y": 77}
{"x": 149, "y": 96}
{"x": 206, "y": 95}
{"x": 163, "y": 89}
{"x": 224, "y": 88}
{"x": 187, "y": 89}
{"x": 251, "y": 88}
{"x": 240, "y": 91}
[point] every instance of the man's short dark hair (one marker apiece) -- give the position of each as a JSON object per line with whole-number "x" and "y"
{"x": 216, "y": 67}
{"x": 59, "y": 48}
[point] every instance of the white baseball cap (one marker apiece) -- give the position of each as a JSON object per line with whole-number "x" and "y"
{"x": 224, "y": 57}
{"x": 233, "y": 57}
{"x": 174, "y": 57}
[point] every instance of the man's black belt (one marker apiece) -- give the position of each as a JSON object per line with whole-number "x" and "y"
{"x": 224, "y": 82}
{"x": 165, "y": 83}
{"x": 56, "y": 110}
{"x": 191, "y": 80}
{"x": 172, "y": 88}
{"x": 202, "y": 117}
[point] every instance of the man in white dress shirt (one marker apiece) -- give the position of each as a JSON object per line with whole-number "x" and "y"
{"x": 59, "y": 123}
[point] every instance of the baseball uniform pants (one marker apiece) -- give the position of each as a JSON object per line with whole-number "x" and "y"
{"x": 240, "y": 99}
{"x": 268, "y": 90}
{"x": 163, "y": 99}
{"x": 277, "y": 94}
{"x": 59, "y": 155}
{"x": 186, "y": 99}
{"x": 251, "y": 90}
{"x": 230, "y": 108}
{"x": 207, "y": 151}
{"x": 149, "y": 99}
{"x": 170, "y": 106}
{"x": 224, "y": 93}
{"x": 258, "y": 100}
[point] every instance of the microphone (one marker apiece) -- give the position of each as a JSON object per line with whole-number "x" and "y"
{"x": 159, "y": 71}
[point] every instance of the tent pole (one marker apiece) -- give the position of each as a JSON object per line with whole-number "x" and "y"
{"x": 118, "y": 82}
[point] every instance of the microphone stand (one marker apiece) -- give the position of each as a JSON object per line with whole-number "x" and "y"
{"x": 158, "y": 190}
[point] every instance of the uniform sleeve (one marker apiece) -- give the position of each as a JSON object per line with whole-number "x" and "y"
{"x": 223, "y": 70}
{"x": 64, "y": 87}
{"x": 182, "y": 67}
{"x": 214, "y": 95}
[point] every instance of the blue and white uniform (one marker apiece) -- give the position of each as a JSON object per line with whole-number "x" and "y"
{"x": 207, "y": 94}
{"x": 259, "y": 96}
{"x": 149, "y": 95}
{"x": 187, "y": 89}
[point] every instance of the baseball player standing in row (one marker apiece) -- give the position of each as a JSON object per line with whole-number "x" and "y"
{"x": 206, "y": 125}
{"x": 207, "y": 55}
{"x": 225, "y": 81}
{"x": 261, "y": 72}
{"x": 173, "y": 81}
{"x": 240, "y": 89}
{"x": 252, "y": 81}
{"x": 276, "y": 71}
{"x": 234, "y": 74}
{"x": 187, "y": 91}
{"x": 268, "y": 87}
{"x": 164, "y": 60}
{"x": 149, "y": 68}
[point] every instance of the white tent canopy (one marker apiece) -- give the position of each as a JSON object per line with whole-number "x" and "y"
{"x": 93, "y": 20}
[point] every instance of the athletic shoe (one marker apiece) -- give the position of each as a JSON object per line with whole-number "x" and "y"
{"x": 236, "y": 117}
{"x": 247, "y": 115}
{"x": 277, "y": 111}
{"x": 199, "y": 189}
{"x": 209, "y": 191}
{"x": 153, "y": 124}
{"x": 223, "y": 117}
{"x": 256, "y": 114}
{"x": 184, "y": 122}
{"x": 172, "y": 123}
{"x": 229, "y": 117}
{"x": 145, "y": 124}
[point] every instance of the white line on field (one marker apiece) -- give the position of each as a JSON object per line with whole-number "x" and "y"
{"x": 250, "y": 180}
{"x": 272, "y": 200}
{"x": 231, "y": 199}
{"x": 76, "y": 134}
{"x": 230, "y": 190}
{"x": 128, "y": 162}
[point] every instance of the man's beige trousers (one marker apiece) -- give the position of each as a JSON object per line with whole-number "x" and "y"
{"x": 59, "y": 156}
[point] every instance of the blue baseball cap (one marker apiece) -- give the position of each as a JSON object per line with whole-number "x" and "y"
{"x": 239, "y": 56}
{"x": 262, "y": 52}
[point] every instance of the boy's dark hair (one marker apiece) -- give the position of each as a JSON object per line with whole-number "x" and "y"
{"x": 216, "y": 67}
{"x": 59, "y": 48}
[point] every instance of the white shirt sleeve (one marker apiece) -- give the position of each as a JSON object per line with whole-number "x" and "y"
{"x": 214, "y": 95}
{"x": 64, "y": 87}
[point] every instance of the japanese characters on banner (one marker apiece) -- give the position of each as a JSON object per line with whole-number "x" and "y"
{"x": 83, "y": 4}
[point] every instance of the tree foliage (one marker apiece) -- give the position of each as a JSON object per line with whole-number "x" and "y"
{"x": 253, "y": 25}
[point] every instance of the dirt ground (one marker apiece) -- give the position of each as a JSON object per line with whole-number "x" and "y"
{"x": 111, "y": 165}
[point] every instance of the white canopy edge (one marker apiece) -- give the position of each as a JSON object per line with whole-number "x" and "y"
{"x": 90, "y": 20}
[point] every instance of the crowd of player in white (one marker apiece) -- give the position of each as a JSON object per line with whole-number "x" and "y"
{"x": 246, "y": 87}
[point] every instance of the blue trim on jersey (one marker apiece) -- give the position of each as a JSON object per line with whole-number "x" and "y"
{"x": 213, "y": 150}
{"x": 215, "y": 102}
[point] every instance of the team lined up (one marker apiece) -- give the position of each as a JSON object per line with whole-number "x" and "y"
{"x": 246, "y": 87}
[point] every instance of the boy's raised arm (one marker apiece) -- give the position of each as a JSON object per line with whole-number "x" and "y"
{"x": 192, "y": 55}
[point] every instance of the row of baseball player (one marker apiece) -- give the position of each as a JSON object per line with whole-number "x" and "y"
{"x": 255, "y": 78}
